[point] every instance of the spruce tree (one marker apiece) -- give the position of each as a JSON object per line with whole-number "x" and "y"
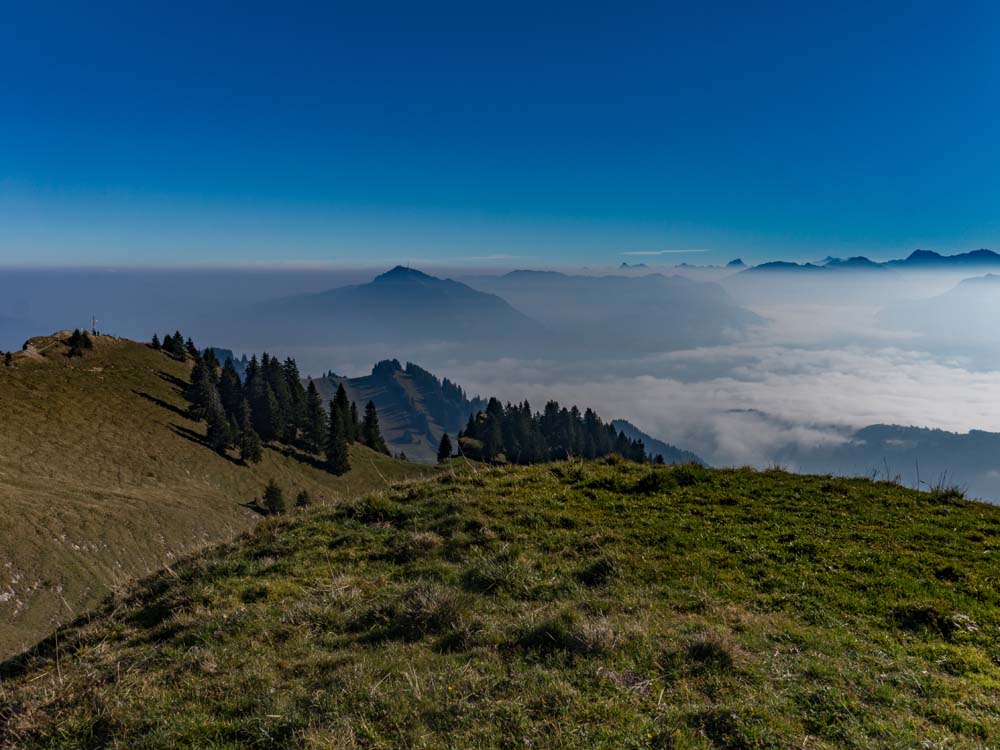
{"x": 76, "y": 343}
{"x": 191, "y": 350}
{"x": 444, "y": 449}
{"x": 303, "y": 499}
{"x": 8, "y": 359}
{"x": 370, "y": 432}
{"x": 155, "y": 343}
{"x": 355, "y": 423}
{"x": 315, "y": 420}
{"x": 231, "y": 391}
{"x": 338, "y": 460}
{"x": 343, "y": 409}
{"x": 274, "y": 499}
{"x": 219, "y": 435}
{"x": 251, "y": 451}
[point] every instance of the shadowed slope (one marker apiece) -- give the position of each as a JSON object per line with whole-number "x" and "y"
{"x": 103, "y": 477}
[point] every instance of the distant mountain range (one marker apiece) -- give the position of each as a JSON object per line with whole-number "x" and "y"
{"x": 917, "y": 260}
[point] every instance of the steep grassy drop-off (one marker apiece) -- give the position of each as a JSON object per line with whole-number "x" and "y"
{"x": 599, "y": 605}
{"x": 103, "y": 478}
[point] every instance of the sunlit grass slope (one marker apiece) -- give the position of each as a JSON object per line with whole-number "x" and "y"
{"x": 102, "y": 479}
{"x": 558, "y": 606}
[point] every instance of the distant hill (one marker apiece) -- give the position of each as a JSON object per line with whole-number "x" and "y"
{"x": 103, "y": 477}
{"x": 403, "y": 305}
{"x": 918, "y": 455}
{"x": 618, "y": 315}
{"x": 963, "y": 316}
{"x": 671, "y": 454}
{"x": 415, "y": 407}
{"x": 590, "y": 605}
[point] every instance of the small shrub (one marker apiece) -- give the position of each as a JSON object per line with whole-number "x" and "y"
{"x": 274, "y": 499}
{"x": 502, "y": 572}
{"x": 709, "y": 652}
{"x": 597, "y": 572}
{"x": 688, "y": 475}
{"x": 303, "y": 499}
{"x": 654, "y": 481}
{"x": 565, "y": 632}
{"x": 406, "y": 547}
{"x": 419, "y": 611}
{"x": 375, "y": 509}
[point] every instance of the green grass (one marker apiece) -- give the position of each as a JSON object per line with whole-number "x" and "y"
{"x": 560, "y": 606}
{"x": 102, "y": 479}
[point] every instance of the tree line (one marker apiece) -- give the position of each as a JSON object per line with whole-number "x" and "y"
{"x": 515, "y": 434}
{"x": 270, "y": 404}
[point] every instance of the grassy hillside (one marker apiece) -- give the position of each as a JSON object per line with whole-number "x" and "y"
{"x": 103, "y": 478}
{"x": 568, "y": 605}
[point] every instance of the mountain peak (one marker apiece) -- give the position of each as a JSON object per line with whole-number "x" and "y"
{"x": 736, "y": 263}
{"x": 402, "y": 273}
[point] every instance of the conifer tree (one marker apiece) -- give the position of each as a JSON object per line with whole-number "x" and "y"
{"x": 343, "y": 409}
{"x": 444, "y": 449}
{"x": 274, "y": 499}
{"x": 219, "y": 435}
{"x": 316, "y": 427}
{"x": 251, "y": 451}
{"x": 296, "y": 417}
{"x": 76, "y": 345}
{"x": 338, "y": 460}
{"x": 371, "y": 434}
{"x": 191, "y": 350}
{"x": 303, "y": 499}
{"x": 231, "y": 391}
{"x": 155, "y": 343}
{"x": 8, "y": 359}
{"x": 355, "y": 423}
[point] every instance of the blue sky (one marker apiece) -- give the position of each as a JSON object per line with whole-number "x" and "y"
{"x": 518, "y": 135}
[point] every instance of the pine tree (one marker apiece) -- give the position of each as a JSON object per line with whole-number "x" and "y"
{"x": 343, "y": 409}
{"x": 337, "y": 459}
{"x": 355, "y": 423}
{"x": 316, "y": 427}
{"x": 201, "y": 391}
{"x": 76, "y": 343}
{"x": 274, "y": 499}
{"x": 296, "y": 417}
{"x": 8, "y": 359}
{"x": 371, "y": 434}
{"x": 155, "y": 343}
{"x": 444, "y": 449}
{"x": 174, "y": 345}
{"x": 219, "y": 435}
{"x": 231, "y": 391}
{"x": 251, "y": 451}
{"x": 191, "y": 350}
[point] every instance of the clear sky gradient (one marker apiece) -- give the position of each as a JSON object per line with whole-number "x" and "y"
{"x": 166, "y": 134}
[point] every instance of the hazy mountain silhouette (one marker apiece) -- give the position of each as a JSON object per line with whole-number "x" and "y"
{"x": 401, "y": 305}
{"x": 965, "y": 315}
{"x": 671, "y": 454}
{"x": 606, "y": 315}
